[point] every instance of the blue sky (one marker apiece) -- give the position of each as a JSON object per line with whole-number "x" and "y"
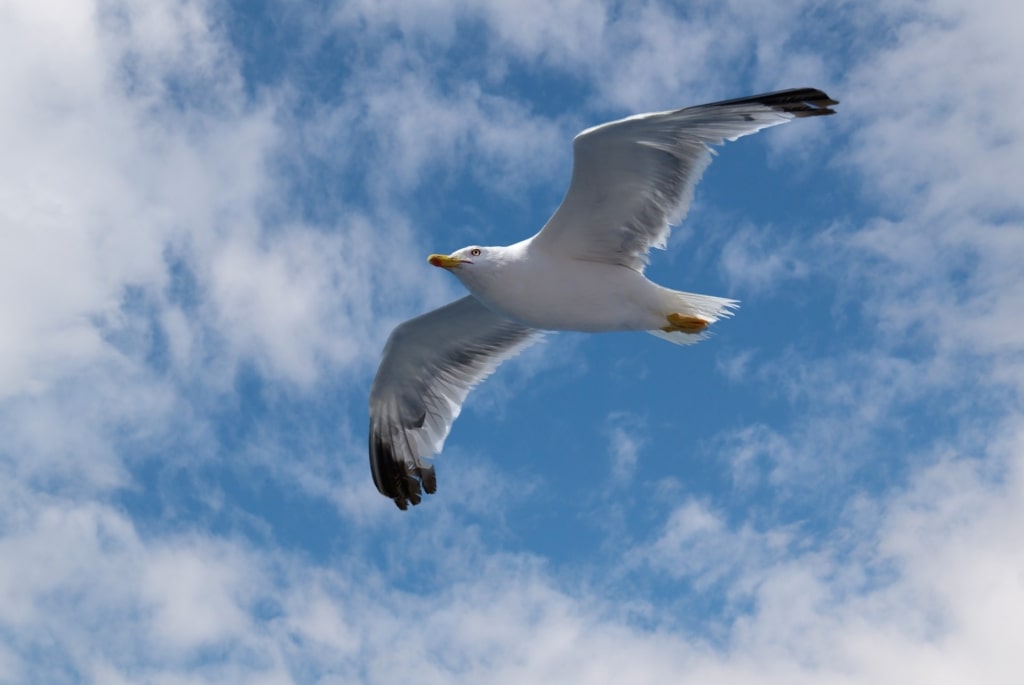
{"x": 213, "y": 213}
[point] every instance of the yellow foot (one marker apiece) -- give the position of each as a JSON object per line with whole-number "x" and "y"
{"x": 685, "y": 324}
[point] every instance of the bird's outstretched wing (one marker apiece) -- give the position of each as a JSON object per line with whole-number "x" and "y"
{"x": 429, "y": 365}
{"x": 634, "y": 177}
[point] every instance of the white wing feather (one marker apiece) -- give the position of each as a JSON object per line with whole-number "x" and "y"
{"x": 633, "y": 178}
{"x": 429, "y": 365}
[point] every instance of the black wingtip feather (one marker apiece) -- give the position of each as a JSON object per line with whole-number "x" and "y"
{"x": 394, "y": 479}
{"x": 800, "y": 102}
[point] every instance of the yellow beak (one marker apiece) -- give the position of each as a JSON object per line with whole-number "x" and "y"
{"x": 444, "y": 261}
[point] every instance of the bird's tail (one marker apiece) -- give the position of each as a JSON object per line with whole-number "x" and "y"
{"x": 705, "y": 307}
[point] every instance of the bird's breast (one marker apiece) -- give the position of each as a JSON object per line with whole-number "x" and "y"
{"x": 566, "y": 294}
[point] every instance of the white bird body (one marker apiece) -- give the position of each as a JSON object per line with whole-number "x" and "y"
{"x": 527, "y": 283}
{"x": 583, "y": 271}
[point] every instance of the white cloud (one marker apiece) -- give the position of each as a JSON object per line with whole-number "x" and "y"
{"x": 625, "y": 439}
{"x": 644, "y": 57}
{"x": 269, "y": 297}
{"x": 756, "y": 261}
{"x": 95, "y": 190}
{"x": 913, "y": 596}
{"x": 196, "y": 597}
{"x": 698, "y": 545}
{"x": 420, "y": 131}
{"x": 923, "y": 595}
{"x": 735, "y": 365}
{"x": 945, "y": 159}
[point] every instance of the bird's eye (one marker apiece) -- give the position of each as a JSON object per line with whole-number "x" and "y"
{"x": 475, "y": 252}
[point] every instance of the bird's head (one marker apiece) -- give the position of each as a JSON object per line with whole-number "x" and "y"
{"x": 468, "y": 261}
{"x": 459, "y": 258}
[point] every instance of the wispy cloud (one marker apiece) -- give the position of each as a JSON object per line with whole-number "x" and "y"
{"x": 755, "y": 262}
{"x": 625, "y": 439}
{"x": 936, "y": 572}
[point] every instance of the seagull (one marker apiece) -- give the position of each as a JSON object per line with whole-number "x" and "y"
{"x": 584, "y": 271}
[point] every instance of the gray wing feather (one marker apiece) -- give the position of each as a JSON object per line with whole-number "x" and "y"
{"x": 633, "y": 178}
{"x": 429, "y": 365}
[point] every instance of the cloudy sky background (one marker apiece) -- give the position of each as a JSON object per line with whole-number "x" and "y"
{"x": 213, "y": 213}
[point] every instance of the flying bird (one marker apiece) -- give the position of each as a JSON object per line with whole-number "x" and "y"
{"x": 584, "y": 271}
